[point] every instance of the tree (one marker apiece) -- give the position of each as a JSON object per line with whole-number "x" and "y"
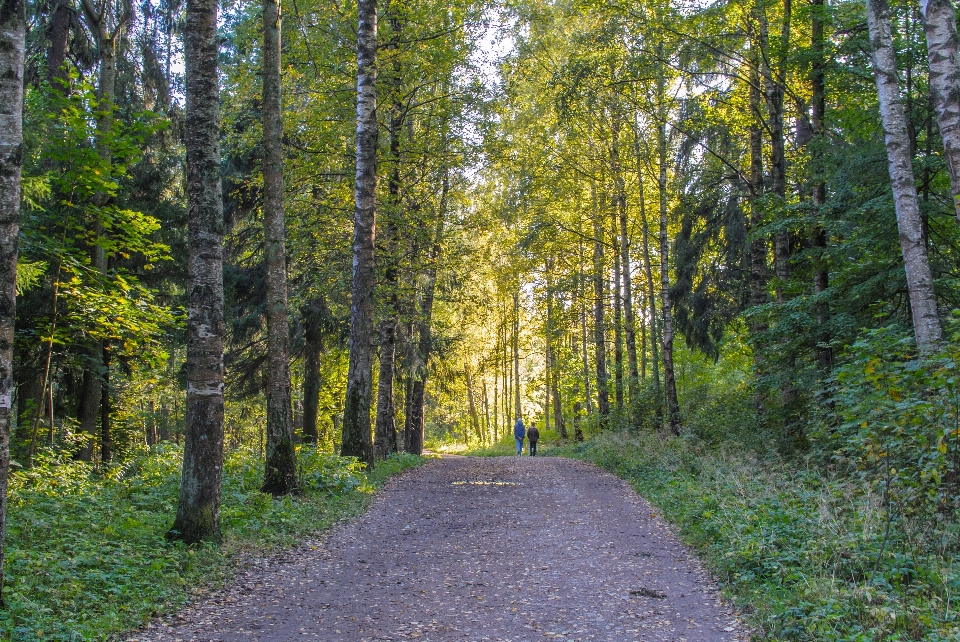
{"x": 940, "y": 25}
{"x": 356, "y": 414}
{"x": 280, "y": 467}
{"x": 13, "y": 24}
{"x": 923, "y": 301}
{"x": 198, "y": 511}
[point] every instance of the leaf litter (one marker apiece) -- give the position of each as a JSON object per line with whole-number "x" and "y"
{"x": 499, "y": 549}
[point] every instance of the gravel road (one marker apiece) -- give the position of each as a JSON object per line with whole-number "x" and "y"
{"x": 497, "y": 549}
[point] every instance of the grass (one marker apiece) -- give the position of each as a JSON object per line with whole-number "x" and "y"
{"x": 805, "y": 556}
{"x": 86, "y": 556}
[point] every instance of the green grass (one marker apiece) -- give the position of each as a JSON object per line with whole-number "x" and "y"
{"x": 805, "y": 556}
{"x": 86, "y": 554}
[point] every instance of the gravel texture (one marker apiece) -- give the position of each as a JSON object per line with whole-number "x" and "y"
{"x": 497, "y": 549}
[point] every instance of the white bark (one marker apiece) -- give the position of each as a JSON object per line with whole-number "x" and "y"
{"x": 940, "y": 25}
{"x": 923, "y": 302}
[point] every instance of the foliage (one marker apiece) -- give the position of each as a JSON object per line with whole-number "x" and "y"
{"x": 86, "y": 553}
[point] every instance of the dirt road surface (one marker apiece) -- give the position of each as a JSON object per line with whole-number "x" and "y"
{"x": 507, "y": 548}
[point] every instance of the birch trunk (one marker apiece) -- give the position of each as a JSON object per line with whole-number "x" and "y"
{"x": 923, "y": 301}
{"x": 518, "y": 409}
{"x": 617, "y": 315}
{"x": 13, "y": 26}
{"x": 198, "y": 512}
{"x": 356, "y": 441}
{"x": 648, "y": 273}
{"x": 280, "y": 467}
{"x": 599, "y": 325}
{"x": 673, "y": 406}
{"x": 940, "y": 26}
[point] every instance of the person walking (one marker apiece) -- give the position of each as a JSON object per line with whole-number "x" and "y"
{"x": 519, "y": 432}
{"x": 534, "y": 436}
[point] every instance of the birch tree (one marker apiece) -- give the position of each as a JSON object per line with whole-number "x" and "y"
{"x": 13, "y": 24}
{"x": 923, "y": 302}
{"x": 198, "y": 512}
{"x": 940, "y": 26}
{"x": 356, "y": 414}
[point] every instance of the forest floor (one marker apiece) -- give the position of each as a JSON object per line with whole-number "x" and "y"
{"x": 500, "y": 548}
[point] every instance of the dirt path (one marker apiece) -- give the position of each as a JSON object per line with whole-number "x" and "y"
{"x": 477, "y": 549}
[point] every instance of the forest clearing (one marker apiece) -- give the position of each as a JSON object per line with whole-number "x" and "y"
{"x": 258, "y": 258}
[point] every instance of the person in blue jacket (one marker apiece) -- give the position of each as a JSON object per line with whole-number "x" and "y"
{"x": 519, "y": 432}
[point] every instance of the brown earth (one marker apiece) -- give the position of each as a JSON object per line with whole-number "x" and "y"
{"x": 495, "y": 549}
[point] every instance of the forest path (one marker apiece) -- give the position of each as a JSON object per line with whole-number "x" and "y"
{"x": 503, "y": 548}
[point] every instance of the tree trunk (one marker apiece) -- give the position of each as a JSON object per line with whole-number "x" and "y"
{"x": 819, "y": 195}
{"x": 58, "y": 34}
{"x": 13, "y": 25}
{"x": 385, "y": 428}
{"x": 198, "y": 512}
{"x": 940, "y": 25}
{"x": 648, "y": 273}
{"x": 486, "y": 411}
{"x": 517, "y": 408}
{"x": 923, "y": 301}
{"x": 106, "y": 437}
{"x": 312, "y": 348}
{"x": 553, "y": 389}
{"x": 280, "y": 466}
{"x": 582, "y": 283}
{"x": 413, "y": 432}
{"x": 599, "y": 326}
{"x": 673, "y": 407}
{"x": 356, "y": 411}
{"x": 472, "y": 403}
{"x": 630, "y": 323}
{"x": 617, "y": 316}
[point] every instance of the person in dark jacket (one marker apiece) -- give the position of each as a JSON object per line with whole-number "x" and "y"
{"x": 519, "y": 432}
{"x": 534, "y": 436}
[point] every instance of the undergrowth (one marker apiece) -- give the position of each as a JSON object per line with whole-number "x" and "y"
{"x": 86, "y": 554}
{"x": 805, "y": 555}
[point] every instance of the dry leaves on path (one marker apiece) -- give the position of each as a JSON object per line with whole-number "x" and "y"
{"x": 492, "y": 549}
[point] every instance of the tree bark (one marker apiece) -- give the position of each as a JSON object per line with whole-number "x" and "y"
{"x": 630, "y": 323}
{"x": 280, "y": 465}
{"x": 923, "y": 301}
{"x": 385, "y": 428}
{"x": 311, "y": 377}
{"x": 356, "y": 440}
{"x": 599, "y": 326}
{"x": 413, "y": 431}
{"x": 553, "y": 389}
{"x": 940, "y": 25}
{"x": 673, "y": 406}
{"x": 617, "y": 315}
{"x": 472, "y": 403}
{"x": 13, "y": 25}
{"x": 818, "y": 67}
{"x": 58, "y": 34}
{"x": 517, "y": 408}
{"x": 648, "y": 273}
{"x": 198, "y": 512}
{"x": 583, "y": 332}
{"x": 106, "y": 437}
